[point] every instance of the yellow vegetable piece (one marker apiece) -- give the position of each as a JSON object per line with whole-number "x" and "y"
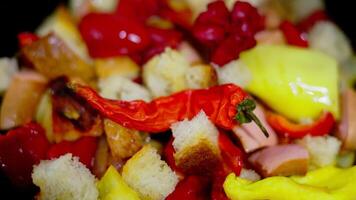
{"x": 112, "y": 187}
{"x": 328, "y": 183}
{"x": 296, "y": 82}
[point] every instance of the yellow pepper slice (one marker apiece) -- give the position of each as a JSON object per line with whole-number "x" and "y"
{"x": 111, "y": 187}
{"x": 328, "y": 183}
{"x": 296, "y": 82}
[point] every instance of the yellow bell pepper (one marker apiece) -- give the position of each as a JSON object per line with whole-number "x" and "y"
{"x": 111, "y": 187}
{"x": 296, "y": 82}
{"x": 328, "y": 183}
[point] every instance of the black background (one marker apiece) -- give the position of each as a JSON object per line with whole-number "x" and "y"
{"x": 25, "y": 15}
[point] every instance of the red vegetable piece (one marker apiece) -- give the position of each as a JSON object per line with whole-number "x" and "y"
{"x": 286, "y": 128}
{"x": 20, "y": 149}
{"x": 218, "y": 102}
{"x": 209, "y": 35}
{"x": 293, "y": 35}
{"x": 306, "y": 24}
{"x": 181, "y": 18}
{"x": 169, "y": 156}
{"x": 245, "y": 19}
{"x": 230, "y": 49}
{"x": 191, "y": 188}
{"x": 138, "y": 9}
{"x": 230, "y": 153}
{"x": 84, "y": 148}
{"x": 108, "y": 35}
{"x": 217, "y": 14}
{"x": 160, "y": 39}
{"x": 26, "y": 38}
{"x": 217, "y": 190}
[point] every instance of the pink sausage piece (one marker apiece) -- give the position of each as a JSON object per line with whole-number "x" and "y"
{"x": 283, "y": 160}
{"x": 251, "y": 137}
{"x": 347, "y": 127}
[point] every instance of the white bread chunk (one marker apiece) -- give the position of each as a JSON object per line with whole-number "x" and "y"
{"x": 249, "y": 174}
{"x": 200, "y": 76}
{"x": 235, "y": 72}
{"x": 172, "y": 71}
{"x": 64, "y": 178}
{"x": 328, "y": 38}
{"x": 119, "y": 87}
{"x": 150, "y": 176}
{"x": 196, "y": 145}
{"x": 165, "y": 73}
{"x": 323, "y": 150}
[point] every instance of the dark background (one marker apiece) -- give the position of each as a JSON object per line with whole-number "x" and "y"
{"x": 25, "y": 15}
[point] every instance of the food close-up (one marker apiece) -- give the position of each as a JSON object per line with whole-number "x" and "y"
{"x": 180, "y": 100}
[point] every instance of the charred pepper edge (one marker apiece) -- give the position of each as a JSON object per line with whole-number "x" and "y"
{"x": 245, "y": 115}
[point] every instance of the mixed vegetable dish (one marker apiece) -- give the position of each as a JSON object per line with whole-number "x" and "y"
{"x": 181, "y": 99}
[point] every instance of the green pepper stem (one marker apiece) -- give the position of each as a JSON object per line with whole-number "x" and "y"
{"x": 245, "y": 114}
{"x": 255, "y": 119}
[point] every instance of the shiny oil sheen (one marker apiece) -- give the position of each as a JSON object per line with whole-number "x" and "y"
{"x": 296, "y": 82}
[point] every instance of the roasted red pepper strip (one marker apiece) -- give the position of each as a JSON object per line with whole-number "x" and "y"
{"x": 84, "y": 148}
{"x": 169, "y": 157}
{"x": 191, "y": 188}
{"x": 288, "y": 129}
{"x": 26, "y": 38}
{"x": 230, "y": 153}
{"x": 293, "y": 35}
{"x": 20, "y": 149}
{"x": 218, "y": 102}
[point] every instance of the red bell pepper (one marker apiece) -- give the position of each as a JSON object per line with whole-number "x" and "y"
{"x": 191, "y": 188}
{"x": 293, "y": 35}
{"x": 231, "y": 154}
{"x": 289, "y": 129}
{"x": 306, "y": 24}
{"x": 20, "y": 149}
{"x": 108, "y": 35}
{"x": 220, "y": 103}
{"x": 169, "y": 157}
{"x": 84, "y": 148}
{"x": 217, "y": 190}
{"x": 26, "y": 38}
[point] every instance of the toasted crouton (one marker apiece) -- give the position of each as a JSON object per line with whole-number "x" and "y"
{"x": 234, "y": 72}
{"x": 64, "y": 178}
{"x": 146, "y": 173}
{"x": 196, "y": 145}
{"x": 8, "y": 67}
{"x": 200, "y": 76}
{"x": 171, "y": 72}
{"x": 118, "y": 87}
{"x": 123, "y": 142}
{"x": 120, "y": 65}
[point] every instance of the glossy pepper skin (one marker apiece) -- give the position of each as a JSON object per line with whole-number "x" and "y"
{"x": 218, "y": 102}
{"x": 190, "y": 188}
{"x": 230, "y": 153}
{"x": 108, "y": 35}
{"x": 20, "y": 149}
{"x": 288, "y": 129}
{"x": 296, "y": 82}
{"x": 84, "y": 148}
{"x": 328, "y": 183}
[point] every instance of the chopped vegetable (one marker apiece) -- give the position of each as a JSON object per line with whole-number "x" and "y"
{"x": 52, "y": 57}
{"x": 84, "y": 148}
{"x": 286, "y": 128}
{"x": 111, "y": 186}
{"x": 20, "y": 149}
{"x": 284, "y": 78}
{"x": 329, "y": 183}
{"x": 8, "y": 67}
{"x": 219, "y": 103}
